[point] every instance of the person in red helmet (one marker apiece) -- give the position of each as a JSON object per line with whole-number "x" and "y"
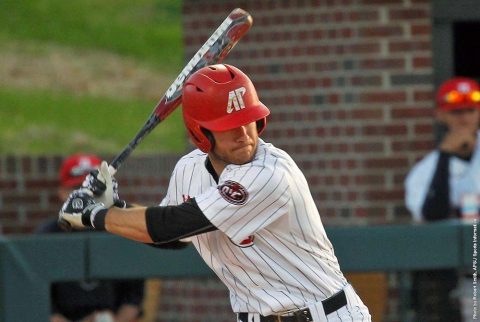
{"x": 92, "y": 300}
{"x": 446, "y": 184}
{"x": 245, "y": 206}
{"x": 433, "y": 191}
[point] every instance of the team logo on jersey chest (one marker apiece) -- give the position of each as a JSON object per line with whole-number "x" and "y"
{"x": 233, "y": 192}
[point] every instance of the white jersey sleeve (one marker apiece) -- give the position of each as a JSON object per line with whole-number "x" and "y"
{"x": 170, "y": 197}
{"x": 181, "y": 179}
{"x": 247, "y": 198}
{"x": 186, "y": 176}
{"x": 418, "y": 182}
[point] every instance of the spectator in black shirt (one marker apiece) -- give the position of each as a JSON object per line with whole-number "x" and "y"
{"x": 446, "y": 184}
{"x": 95, "y": 300}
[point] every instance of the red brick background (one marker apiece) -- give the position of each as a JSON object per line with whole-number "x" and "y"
{"x": 349, "y": 84}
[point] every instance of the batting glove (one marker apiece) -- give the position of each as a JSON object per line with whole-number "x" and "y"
{"x": 104, "y": 186}
{"x": 82, "y": 210}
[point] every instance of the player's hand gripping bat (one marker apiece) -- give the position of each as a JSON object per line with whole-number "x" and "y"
{"x": 213, "y": 51}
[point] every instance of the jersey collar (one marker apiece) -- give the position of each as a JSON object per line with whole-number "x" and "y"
{"x": 210, "y": 169}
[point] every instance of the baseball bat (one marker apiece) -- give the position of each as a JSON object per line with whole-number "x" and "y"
{"x": 213, "y": 51}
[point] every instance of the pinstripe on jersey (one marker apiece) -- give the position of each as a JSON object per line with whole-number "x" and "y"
{"x": 271, "y": 252}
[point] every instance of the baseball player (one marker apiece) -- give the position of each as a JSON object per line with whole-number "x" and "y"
{"x": 446, "y": 184}
{"x": 245, "y": 206}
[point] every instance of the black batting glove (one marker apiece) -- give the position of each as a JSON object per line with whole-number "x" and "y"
{"x": 104, "y": 187}
{"x": 81, "y": 210}
{"x": 95, "y": 183}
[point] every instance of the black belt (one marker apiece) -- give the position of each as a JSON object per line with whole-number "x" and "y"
{"x": 330, "y": 305}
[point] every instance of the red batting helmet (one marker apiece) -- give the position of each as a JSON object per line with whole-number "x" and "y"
{"x": 458, "y": 93}
{"x": 220, "y": 98}
{"x": 75, "y": 168}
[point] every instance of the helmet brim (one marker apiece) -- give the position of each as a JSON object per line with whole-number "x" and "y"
{"x": 455, "y": 107}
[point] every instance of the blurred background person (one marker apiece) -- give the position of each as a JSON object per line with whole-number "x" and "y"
{"x": 92, "y": 300}
{"x": 446, "y": 184}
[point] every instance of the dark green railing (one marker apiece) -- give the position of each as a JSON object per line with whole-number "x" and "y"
{"x": 28, "y": 264}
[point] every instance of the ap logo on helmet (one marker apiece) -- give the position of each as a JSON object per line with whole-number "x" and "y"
{"x": 235, "y": 100}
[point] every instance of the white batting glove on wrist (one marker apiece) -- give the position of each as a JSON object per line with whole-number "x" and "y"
{"x": 102, "y": 184}
{"x": 81, "y": 210}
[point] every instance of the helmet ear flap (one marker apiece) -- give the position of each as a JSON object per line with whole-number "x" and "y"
{"x": 208, "y": 134}
{"x": 193, "y": 136}
{"x": 261, "y": 124}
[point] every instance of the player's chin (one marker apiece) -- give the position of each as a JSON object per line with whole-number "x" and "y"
{"x": 243, "y": 155}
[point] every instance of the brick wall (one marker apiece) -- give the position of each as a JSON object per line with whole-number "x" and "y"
{"x": 349, "y": 84}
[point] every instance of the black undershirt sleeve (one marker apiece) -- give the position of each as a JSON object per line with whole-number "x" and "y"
{"x": 437, "y": 201}
{"x": 169, "y": 224}
{"x": 171, "y": 245}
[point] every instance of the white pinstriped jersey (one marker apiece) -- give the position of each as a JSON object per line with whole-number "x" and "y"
{"x": 271, "y": 249}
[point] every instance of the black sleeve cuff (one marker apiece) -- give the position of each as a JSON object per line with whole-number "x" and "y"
{"x": 99, "y": 219}
{"x": 171, "y": 223}
{"x": 172, "y": 245}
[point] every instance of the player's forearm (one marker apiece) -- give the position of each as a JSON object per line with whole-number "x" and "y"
{"x": 129, "y": 223}
{"x": 157, "y": 224}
